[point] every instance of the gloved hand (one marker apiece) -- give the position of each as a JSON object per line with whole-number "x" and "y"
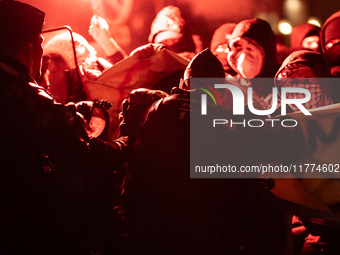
{"x": 84, "y": 108}
{"x": 99, "y": 29}
{"x": 94, "y": 115}
{"x": 135, "y": 108}
{"x": 147, "y": 50}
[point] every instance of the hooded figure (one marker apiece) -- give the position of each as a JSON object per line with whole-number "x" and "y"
{"x": 253, "y": 54}
{"x": 330, "y": 42}
{"x": 305, "y": 68}
{"x": 167, "y": 212}
{"x": 261, "y": 60}
{"x": 203, "y": 65}
{"x": 169, "y": 28}
{"x": 219, "y": 45}
{"x": 305, "y": 36}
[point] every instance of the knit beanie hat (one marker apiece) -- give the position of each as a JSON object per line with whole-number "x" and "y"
{"x": 222, "y": 35}
{"x": 168, "y": 21}
{"x": 204, "y": 65}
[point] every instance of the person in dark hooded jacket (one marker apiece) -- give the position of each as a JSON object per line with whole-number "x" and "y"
{"x": 310, "y": 70}
{"x": 305, "y": 36}
{"x": 167, "y": 212}
{"x": 253, "y": 55}
{"x": 171, "y": 29}
{"x": 306, "y": 67}
{"x": 330, "y": 42}
{"x": 258, "y": 35}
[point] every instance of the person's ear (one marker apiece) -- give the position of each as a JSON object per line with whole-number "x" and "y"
{"x": 30, "y": 52}
{"x": 29, "y": 48}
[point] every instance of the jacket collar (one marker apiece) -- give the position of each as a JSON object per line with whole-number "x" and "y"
{"x": 15, "y": 67}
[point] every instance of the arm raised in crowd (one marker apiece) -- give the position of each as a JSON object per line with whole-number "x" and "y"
{"x": 99, "y": 30}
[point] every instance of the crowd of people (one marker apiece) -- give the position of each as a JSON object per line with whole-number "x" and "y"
{"x": 65, "y": 190}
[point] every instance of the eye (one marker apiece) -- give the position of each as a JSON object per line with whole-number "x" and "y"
{"x": 220, "y": 49}
{"x": 237, "y": 45}
{"x": 329, "y": 45}
{"x": 332, "y": 43}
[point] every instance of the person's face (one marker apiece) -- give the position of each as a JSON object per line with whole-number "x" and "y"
{"x": 305, "y": 78}
{"x": 221, "y": 52}
{"x": 36, "y": 54}
{"x": 246, "y": 57}
{"x": 331, "y": 43}
{"x": 311, "y": 42}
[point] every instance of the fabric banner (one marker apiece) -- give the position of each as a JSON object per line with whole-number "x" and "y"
{"x": 322, "y": 151}
{"x": 116, "y": 83}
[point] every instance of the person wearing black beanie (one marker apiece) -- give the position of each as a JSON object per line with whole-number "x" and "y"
{"x": 204, "y": 65}
{"x": 167, "y": 212}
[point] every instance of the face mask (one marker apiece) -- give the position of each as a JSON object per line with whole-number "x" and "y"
{"x": 245, "y": 57}
{"x": 311, "y": 42}
{"x": 299, "y": 75}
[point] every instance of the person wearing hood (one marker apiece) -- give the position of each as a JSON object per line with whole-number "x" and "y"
{"x": 219, "y": 45}
{"x": 330, "y": 42}
{"x": 253, "y": 53}
{"x": 166, "y": 211}
{"x": 305, "y": 36}
{"x": 100, "y": 32}
{"x": 309, "y": 70}
{"x": 170, "y": 28}
{"x": 306, "y": 68}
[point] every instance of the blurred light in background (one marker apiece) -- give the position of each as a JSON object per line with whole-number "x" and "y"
{"x": 296, "y": 11}
{"x": 314, "y": 21}
{"x": 284, "y": 27}
{"x": 293, "y": 5}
